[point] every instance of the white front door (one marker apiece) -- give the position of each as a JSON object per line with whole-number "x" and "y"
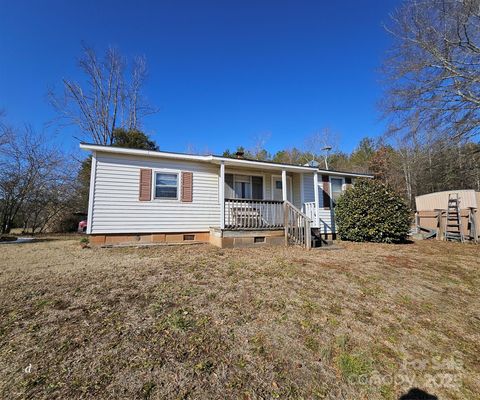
{"x": 277, "y": 188}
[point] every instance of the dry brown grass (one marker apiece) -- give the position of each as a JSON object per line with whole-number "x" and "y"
{"x": 200, "y": 322}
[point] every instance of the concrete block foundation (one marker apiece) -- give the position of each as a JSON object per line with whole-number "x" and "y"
{"x": 246, "y": 238}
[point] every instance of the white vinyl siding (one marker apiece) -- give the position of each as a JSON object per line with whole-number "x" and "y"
{"x": 116, "y": 208}
{"x": 308, "y": 189}
{"x": 326, "y": 224}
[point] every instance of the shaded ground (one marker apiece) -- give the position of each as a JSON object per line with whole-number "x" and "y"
{"x": 362, "y": 322}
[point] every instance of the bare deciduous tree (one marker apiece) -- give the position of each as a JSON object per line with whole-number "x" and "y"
{"x": 33, "y": 181}
{"x": 433, "y": 69}
{"x": 258, "y": 151}
{"x": 109, "y": 98}
{"x": 5, "y": 130}
{"x": 315, "y": 144}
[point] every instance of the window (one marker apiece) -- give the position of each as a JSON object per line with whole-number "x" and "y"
{"x": 259, "y": 239}
{"x": 166, "y": 185}
{"x": 278, "y": 185}
{"x": 337, "y": 188}
{"x": 243, "y": 187}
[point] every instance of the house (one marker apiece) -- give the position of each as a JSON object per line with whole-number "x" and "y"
{"x": 149, "y": 196}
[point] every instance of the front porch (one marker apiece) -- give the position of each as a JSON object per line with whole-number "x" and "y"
{"x": 271, "y": 222}
{"x": 272, "y": 204}
{"x": 244, "y": 214}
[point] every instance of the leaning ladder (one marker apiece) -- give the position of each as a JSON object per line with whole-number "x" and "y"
{"x": 453, "y": 226}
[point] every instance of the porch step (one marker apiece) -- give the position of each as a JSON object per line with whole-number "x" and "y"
{"x": 318, "y": 240}
{"x": 321, "y": 242}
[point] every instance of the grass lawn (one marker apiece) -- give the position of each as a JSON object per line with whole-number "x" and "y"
{"x": 363, "y": 321}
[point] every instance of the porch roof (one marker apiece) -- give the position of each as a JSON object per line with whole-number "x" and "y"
{"x": 214, "y": 159}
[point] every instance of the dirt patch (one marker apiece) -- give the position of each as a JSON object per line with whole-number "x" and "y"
{"x": 363, "y": 322}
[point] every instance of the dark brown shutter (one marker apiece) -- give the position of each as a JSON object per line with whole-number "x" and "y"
{"x": 326, "y": 191}
{"x": 187, "y": 187}
{"x": 145, "y": 193}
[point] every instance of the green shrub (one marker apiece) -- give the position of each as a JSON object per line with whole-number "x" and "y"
{"x": 372, "y": 212}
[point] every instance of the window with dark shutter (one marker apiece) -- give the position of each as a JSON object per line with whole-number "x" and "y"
{"x": 145, "y": 191}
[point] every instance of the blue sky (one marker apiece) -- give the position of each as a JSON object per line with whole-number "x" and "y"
{"x": 221, "y": 72}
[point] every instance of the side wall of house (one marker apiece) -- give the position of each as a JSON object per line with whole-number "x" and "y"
{"x": 327, "y": 215}
{"x": 309, "y": 190}
{"x": 116, "y": 207}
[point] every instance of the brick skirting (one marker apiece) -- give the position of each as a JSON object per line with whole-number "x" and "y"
{"x": 142, "y": 238}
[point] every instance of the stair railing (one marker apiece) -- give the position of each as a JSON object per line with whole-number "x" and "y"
{"x": 297, "y": 226}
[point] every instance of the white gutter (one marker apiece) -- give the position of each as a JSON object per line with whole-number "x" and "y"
{"x": 238, "y": 162}
{"x": 145, "y": 153}
{"x": 339, "y": 173}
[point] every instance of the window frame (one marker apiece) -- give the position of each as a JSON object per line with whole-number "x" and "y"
{"x": 154, "y": 184}
{"x": 250, "y": 175}
{"x": 243, "y": 181}
{"x": 342, "y": 178}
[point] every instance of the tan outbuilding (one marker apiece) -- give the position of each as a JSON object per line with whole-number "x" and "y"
{"x": 436, "y": 213}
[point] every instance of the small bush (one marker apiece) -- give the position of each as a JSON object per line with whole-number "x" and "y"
{"x": 372, "y": 212}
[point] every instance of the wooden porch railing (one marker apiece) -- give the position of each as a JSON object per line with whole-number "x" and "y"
{"x": 326, "y": 222}
{"x": 253, "y": 214}
{"x": 297, "y": 226}
{"x": 310, "y": 210}
{"x": 245, "y": 214}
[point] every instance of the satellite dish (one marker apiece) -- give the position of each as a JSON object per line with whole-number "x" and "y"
{"x": 313, "y": 163}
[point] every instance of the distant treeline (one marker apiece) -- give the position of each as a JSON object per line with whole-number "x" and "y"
{"x": 412, "y": 168}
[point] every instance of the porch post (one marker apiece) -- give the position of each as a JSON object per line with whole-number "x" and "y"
{"x": 317, "y": 211}
{"x": 221, "y": 188}
{"x": 284, "y": 185}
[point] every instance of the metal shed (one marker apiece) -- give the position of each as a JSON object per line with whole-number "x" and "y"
{"x": 432, "y": 213}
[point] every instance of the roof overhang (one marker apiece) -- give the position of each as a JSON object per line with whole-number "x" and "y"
{"x": 342, "y": 173}
{"x": 264, "y": 165}
{"x": 143, "y": 153}
{"x": 227, "y": 161}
